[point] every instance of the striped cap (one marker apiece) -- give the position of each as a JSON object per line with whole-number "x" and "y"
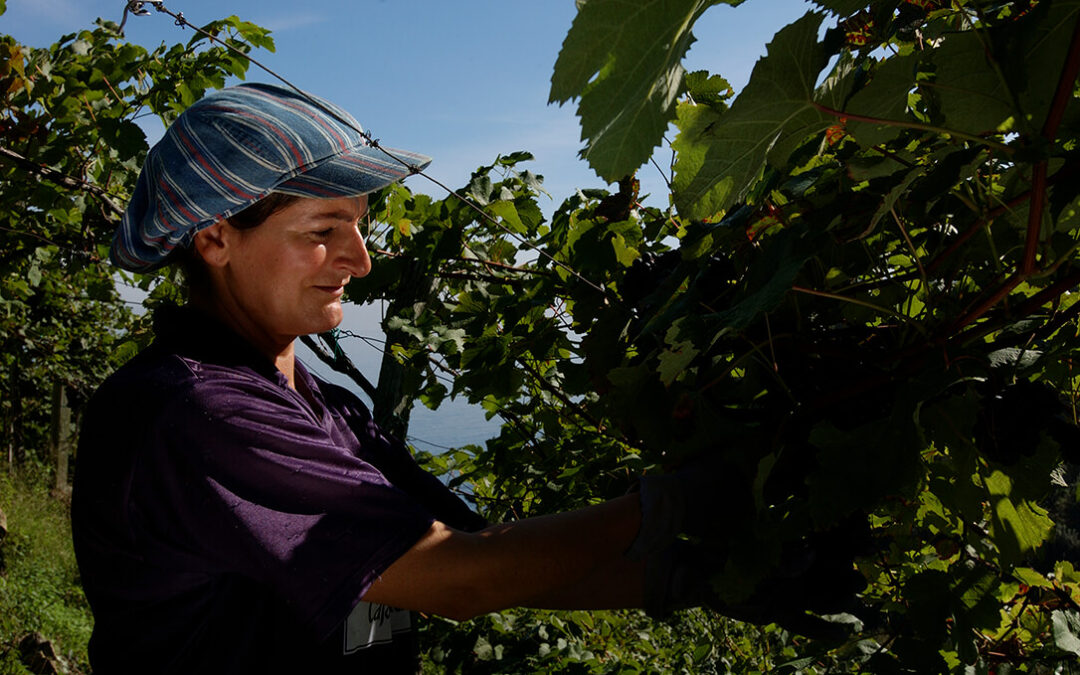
{"x": 236, "y": 146}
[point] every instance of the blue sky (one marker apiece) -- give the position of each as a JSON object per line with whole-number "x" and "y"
{"x": 461, "y": 81}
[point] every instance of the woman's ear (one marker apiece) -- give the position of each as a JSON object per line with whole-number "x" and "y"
{"x": 212, "y": 243}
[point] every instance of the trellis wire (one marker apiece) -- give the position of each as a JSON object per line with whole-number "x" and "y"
{"x": 138, "y": 8}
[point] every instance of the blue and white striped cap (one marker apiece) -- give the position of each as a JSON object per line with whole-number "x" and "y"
{"x": 236, "y": 146}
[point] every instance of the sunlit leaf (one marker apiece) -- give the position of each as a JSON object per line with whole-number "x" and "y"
{"x": 721, "y": 155}
{"x": 623, "y": 59}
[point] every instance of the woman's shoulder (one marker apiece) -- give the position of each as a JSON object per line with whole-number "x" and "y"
{"x": 158, "y": 374}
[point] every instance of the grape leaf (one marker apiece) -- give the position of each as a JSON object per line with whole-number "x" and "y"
{"x": 623, "y": 59}
{"x": 884, "y": 98}
{"x": 842, "y": 7}
{"x": 720, "y": 155}
{"x": 972, "y": 95}
{"x": 1067, "y": 631}
{"x": 1019, "y": 527}
{"x": 1035, "y": 65}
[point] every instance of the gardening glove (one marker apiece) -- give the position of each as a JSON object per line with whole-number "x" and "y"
{"x": 679, "y": 577}
{"x": 687, "y": 501}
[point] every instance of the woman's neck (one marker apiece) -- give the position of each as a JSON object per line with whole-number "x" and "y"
{"x": 280, "y": 350}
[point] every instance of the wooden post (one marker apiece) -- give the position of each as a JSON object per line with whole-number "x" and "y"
{"x": 10, "y": 424}
{"x": 14, "y": 411}
{"x": 61, "y": 435}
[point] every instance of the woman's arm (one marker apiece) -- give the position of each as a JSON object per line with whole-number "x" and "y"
{"x": 546, "y": 561}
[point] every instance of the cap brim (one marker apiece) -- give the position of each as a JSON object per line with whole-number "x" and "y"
{"x": 362, "y": 170}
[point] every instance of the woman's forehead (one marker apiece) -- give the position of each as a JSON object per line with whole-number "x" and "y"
{"x": 341, "y": 208}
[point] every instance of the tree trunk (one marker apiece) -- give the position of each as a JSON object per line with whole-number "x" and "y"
{"x": 392, "y": 400}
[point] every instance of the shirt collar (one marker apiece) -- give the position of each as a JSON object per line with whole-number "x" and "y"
{"x": 194, "y": 333}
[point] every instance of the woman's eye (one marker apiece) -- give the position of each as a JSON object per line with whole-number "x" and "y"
{"x": 322, "y": 234}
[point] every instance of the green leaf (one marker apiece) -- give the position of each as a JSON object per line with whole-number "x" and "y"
{"x": 124, "y": 136}
{"x": 703, "y": 87}
{"x": 721, "y": 154}
{"x": 861, "y": 465}
{"x": 1066, "y": 631}
{"x": 884, "y": 98}
{"x": 772, "y": 277}
{"x": 1034, "y": 65}
{"x": 1020, "y": 527}
{"x": 972, "y": 94}
{"x": 676, "y": 357}
{"x": 509, "y": 215}
{"x": 623, "y": 59}
{"x": 1069, "y": 218}
{"x": 842, "y": 7}
{"x": 1031, "y": 577}
{"x": 895, "y": 194}
{"x": 624, "y": 253}
{"x": 1012, "y": 357}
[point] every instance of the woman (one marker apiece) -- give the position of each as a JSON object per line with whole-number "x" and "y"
{"x": 233, "y": 513}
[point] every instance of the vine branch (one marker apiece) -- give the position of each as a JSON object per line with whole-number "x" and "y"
{"x": 919, "y": 126}
{"x": 1049, "y": 132}
{"x": 61, "y": 179}
{"x": 340, "y": 363}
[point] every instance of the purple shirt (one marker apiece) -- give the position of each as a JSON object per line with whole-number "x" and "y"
{"x": 224, "y": 522}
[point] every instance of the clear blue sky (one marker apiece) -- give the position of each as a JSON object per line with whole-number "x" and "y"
{"x": 461, "y": 81}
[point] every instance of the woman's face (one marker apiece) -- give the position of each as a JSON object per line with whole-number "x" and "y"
{"x": 285, "y": 277}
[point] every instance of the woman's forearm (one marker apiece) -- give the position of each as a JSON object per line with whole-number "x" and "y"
{"x": 536, "y": 560}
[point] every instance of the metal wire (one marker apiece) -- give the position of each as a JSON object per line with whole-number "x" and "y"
{"x": 138, "y": 8}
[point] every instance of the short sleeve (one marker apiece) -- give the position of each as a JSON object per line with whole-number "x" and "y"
{"x": 393, "y": 458}
{"x": 246, "y": 480}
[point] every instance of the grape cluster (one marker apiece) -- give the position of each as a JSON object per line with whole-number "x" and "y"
{"x": 646, "y": 276}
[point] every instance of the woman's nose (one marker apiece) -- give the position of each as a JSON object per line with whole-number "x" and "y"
{"x": 354, "y": 258}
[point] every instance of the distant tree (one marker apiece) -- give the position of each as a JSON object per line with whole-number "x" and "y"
{"x": 70, "y": 151}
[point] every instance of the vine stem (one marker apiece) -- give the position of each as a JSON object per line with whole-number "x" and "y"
{"x": 839, "y": 114}
{"x": 1049, "y": 132}
{"x": 61, "y": 178}
{"x": 854, "y": 301}
{"x": 983, "y": 307}
{"x": 911, "y": 247}
{"x": 1035, "y": 217}
{"x": 1027, "y": 266}
{"x": 340, "y": 363}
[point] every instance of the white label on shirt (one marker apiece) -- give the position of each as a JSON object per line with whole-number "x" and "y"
{"x": 371, "y": 624}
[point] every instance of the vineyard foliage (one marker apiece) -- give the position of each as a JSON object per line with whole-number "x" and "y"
{"x": 860, "y": 309}
{"x": 858, "y": 312}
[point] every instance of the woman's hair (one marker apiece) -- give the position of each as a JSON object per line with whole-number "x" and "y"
{"x": 196, "y": 279}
